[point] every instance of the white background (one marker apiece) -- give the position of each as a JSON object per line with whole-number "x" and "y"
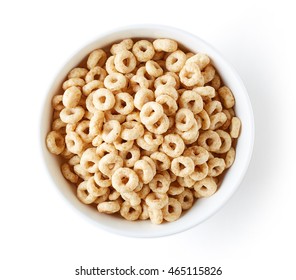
{"x": 252, "y": 237}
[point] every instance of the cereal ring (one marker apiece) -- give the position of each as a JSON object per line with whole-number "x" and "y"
{"x": 225, "y": 140}
{"x": 226, "y": 96}
{"x": 143, "y": 96}
{"x": 74, "y": 160}
{"x": 216, "y": 82}
{"x": 155, "y": 215}
{"x": 146, "y": 145}
{"x": 144, "y": 171}
{"x": 213, "y": 107}
{"x": 235, "y": 127}
{"x": 208, "y": 73}
{"x": 205, "y": 92}
{"x": 109, "y": 163}
{"x": 144, "y": 192}
{"x": 124, "y": 103}
{"x": 229, "y": 158}
{"x": 132, "y": 198}
{"x": 102, "y": 180}
{"x": 205, "y": 187}
{"x": 130, "y": 213}
{"x": 216, "y": 166}
{"x": 142, "y": 72}
{"x": 185, "y": 199}
{"x": 172, "y": 211}
{"x": 74, "y": 143}
{"x": 175, "y": 61}
{"x": 68, "y": 173}
{"x": 123, "y": 145}
{"x": 78, "y": 82}
{"x": 71, "y": 97}
{"x": 153, "y": 68}
{"x": 210, "y": 140}
{"x": 173, "y": 145}
{"x": 184, "y": 119}
{"x": 92, "y": 86}
{"x": 182, "y": 166}
{"x": 199, "y": 154}
{"x": 151, "y": 112}
{"x": 96, "y": 123}
{"x": 83, "y": 130}
{"x": 166, "y": 45}
{"x": 125, "y": 44}
{"x": 153, "y": 139}
{"x": 200, "y": 59}
{"x": 105, "y": 148}
{"x": 152, "y": 164}
{"x": 187, "y": 181}
{"x": 165, "y": 80}
{"x": 94, "y": 189}
{"x": 72, "y": 115}
{"x": 226, "y": 125}
{"x": 190, "y": 75}
{"x": 125, "y": 62}
{"x": 175, "y": 188}
{"x": 96, "y": 73}
{"x": 159, "y": 184}
{"x": 161, "y": 126}
{"x": 161, "y": 160}
{"x": 200, "y": 171}
{"x": 89, "y": 103}
{"x": 192, "y": 101}
{"x": 144, "y": 215}
{"x": 115, "y": 81}
{"x": 143, "y": 50}
{"x": 166, "y": 90}
{"x": 111, "y": 130}
{"x": 125, "y": 180}
{"x": 103, "y": 197}
{"x": 108, "y": 207}
{"x": 204, "y": 120}
{"x": 83, "y": 195}
{"x": 57, "y": 103}
{"x": 66, "y": 154}
{"x": 137, "y": 82}
{"x": 89, "y": 160}
{"x": 114, "y": 195}
{"x": 131, "y": 130}
{"x": 217, "y": 120}
{"x": 130, "y": 156}
{"x": 96, "y": 58}
{"x": 157, "y": 200}
{"x": 110, "y": 66}
{"x": 81, "y": 172}
{"x": 55, "y": 142}
{"x": 113, "y": 115}
{"x": 168, "y": 104}
{"x": 77, "y": 72}
{"x": 158, "y": 56}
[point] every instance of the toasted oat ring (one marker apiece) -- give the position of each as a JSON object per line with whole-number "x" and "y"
{"x": 108, "y": 207}
{"x": 225, "y": 142}
{"x": 95, "y": 189}
{"x": 83, "y": 129}
{"x": 110, "y": 66}
{"x": 199, "y": 154}
{"x": 105, "y": 148}
{"x": 161, "y": 160}
{"x": 173, "y": 145}
{"x": 175, "y": 188}
{"x": 151, "y": 112}
{"x": 114, "y": 195}
{"x": 55, "y": 142}
{"x": 92, "y": 86}
{"x": 144, "y": 171}
{"x": 113, "y": 115}
{"x": 153, "y": 139}
{"x": 96, "y": 123}
{"x": 96, "y": 58}
{"x": 125, "y": 44}
{"x": 187, "y": 181}
{"x": 125, "y": 62}
{"x": 57, "y": 103}
{"x": 89, "y": 103}
{"x": 168, "y": 104}
{"x": 124, "y": 103}
{"x": 204, "y": 120}
{"x": 78, "y": 82}
{"x": 216, "y": 166}
{"x": 226, "y": 96}
{"x": 115, "y": 81}
{"x": 172, "y": 211}
{"x": 157, "y": 200}
{"x": 83, "y": 195}
{"x": 213, "y": 107}
{"x": 184, "y": 119}
{"x": 182, "y": 166}
{"x": 68, "y": 173}
{"x": 208, "y": 73}
{"x": 81, "y": 172}
{"x": 130, "y": 156}
{"x": 73, "y": 142}
{"x": 109, "y": 163}
{"x": 159, "y": 184}
{"x": 166, "y": 90}
{"x": 123, "y": 145}
{"x": 155, "y": 215}
{"x": 235, "y": 127}
{"x": 101, "y": 180}
{"x": 205, "y": 187}
{"x": 71, "y": 97}
{"x": 132, "y": 197}
{"x": 200, "y": 59}
{"x": 111, "y": 130}
{"x": 89, "y": 160}
{"x": 72, "y": 115}
{"x": 165, "y": 80}
{"x": 190, "y": 75}
{"x": 125, "y": 180}
{"x": 175, "y": 61}
{"x": 205, "y": 92}
{"x": 142, "y": 72}
{"x": 159, "y": 127}
{"x": 131, "y": 130}
{"x": 192, "y": 101}
{"x": 217, "y": 120}
{"x": 77, "y": 72}
{"x": 96, "y": 73}
{"x": 186, "y": 199}
{"x": 229, "y": 158}
{"x": 128, "y": 214}
{"x": 144, "y": 215}
{"x": 143, "y": 50}
{"x": 210, "y": 140}
{"x": 142, "y": 96}
{"x": 166, "y": 45}
{"x": 200, "y": 171}
{"x": 153, "y": 68}
{"x": 146, "y": 145}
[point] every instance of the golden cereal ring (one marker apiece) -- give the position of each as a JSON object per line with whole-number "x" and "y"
{"x": 208, "y": 73}
{"x": 173, "y": 145}
{"x": 210, "y": 140}
{"x": 182, "y": 166}
{"x": 172, "y": 211}
{"x": 185, "y": 199}
{"x": 142, "y": 72}
{"x": 158, "y": 56}
{"x": 78, "y": 82}
{"x": 144, "y": 215}
{"x": 204, "y": 120}
{"x": 216, "y": 166}
{"x": 115, "y": 81}
{"x": 134, "y": 116}
{"x": 159, "y": 184}
{"x": 96, "y": 123}
{"x": 92, "y": 86}
{"x": 96, "y": 58}
{"x": 151, "y": 112}
{"x": 187, "y": 181}
{"x": 125, "y": 62}
{"x": 142, "y": 97}
{"x": 130, "y": 156}
{"x": 131, "y": 130}
{"x": 83, "y": 195}
{"x": 229, "y": 158}
{"x": 144, "y": 171}
{"x": 160, "y": 127}
{"x": 166, "y": 90}
{"x": 68, "y": 173}
{"x": 200, "y": 59}
{"x": 165, "y": 80}
{"x": 216, "y": 82}
{"x": 138, "y": 81}
{"x": 74, "y": 160}
{"x": 125, "y": 179}
{"x": 89, "y": 160}
{"x": 125, "y": 44}
{"x": 146, "y": 144}
{"x": 217, "y": 120}
{"x": 81, "y": 172}
{"x": 132, "y": 197}
{"x": 157, "y": 200}
{"x": 226, "y": 96}
{"x": 97, "y": 141}
{"x": 175, "y": 61}
{"x": 89, "y": 103}
{"x": 153, "y": 165}
{"x": 77, "y": 72}
{"x": 184, "y": 119}
{"x": 57, "y": 103}
{"x": 110, "y": 65}
{"x": 192, "y": 101}
{"x": 153, "y": 139}
{"x": 155, "y": 215}
{"x": 103, "y": 197}
{"x": 166, "y": 45}
{"x": 144, "y": 192}
{"x": 94, "y": 189}
{"x": 66, "y": 154}
{"x": 84, "y": 132}
{"x": 175, "y": 188}
{"x": 96, "y": 73}
{"x": 200, "y": 171}
{"x": 71, "y": 97}
{"x": 235, "y": 127}
{"x": 190, "y": 75}
{"x": 103, "y": 99}
{"x": 130, "y": 213}
{"x": 111, "y": 130}
{"x": 205, "y": 92}
{"x": 205, "y": 187}
{"x": 55, "y": 142}
{"x": 105, "y": 148}
{"x": 109, "y": 163}
{"x": 161, "y": 160}
{"x": 72, "y": 115}
{"x": 199, "y": 154}
{"x": 114, "y": 195}
{"x": 143, "y": 50}
{"x": 102, "y": 180}
{"x": 226, "y": 125}
{"x": 213, "y": 107}
{"x": 153, "y": 68}
{"x": 225, "y": 140}
{"x": 124, "y": 103}
{"x": 73, "y": 142}
{"x": 168, "y": 104}
{"x": 190, "y": 136}
{"x": 108, "y": 207}
{"x": 123, "y": 145}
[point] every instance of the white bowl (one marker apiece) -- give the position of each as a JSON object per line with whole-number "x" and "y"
{"x": 203, "y": 208}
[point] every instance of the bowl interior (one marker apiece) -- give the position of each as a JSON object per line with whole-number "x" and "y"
{"x": 202, "y": 208}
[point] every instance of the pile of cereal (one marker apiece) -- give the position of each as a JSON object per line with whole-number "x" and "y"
{"x": 144, "y": 129}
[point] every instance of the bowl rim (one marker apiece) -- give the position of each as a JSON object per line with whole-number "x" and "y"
{"x": 169, "y": 29}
